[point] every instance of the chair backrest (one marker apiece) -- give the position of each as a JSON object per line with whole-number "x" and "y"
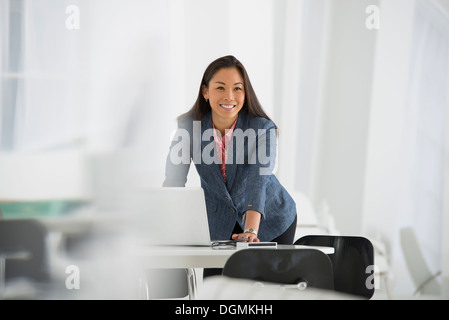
{"x": 27, "y": 235}
{"x": 282, "y": 266}
{"x": 350, "y": 260}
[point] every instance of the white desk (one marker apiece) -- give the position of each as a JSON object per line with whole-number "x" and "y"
{"x": 186, "y": 257}
{"x": 197, "y": 257}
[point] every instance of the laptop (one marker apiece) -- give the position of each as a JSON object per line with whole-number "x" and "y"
{"x": 173, "y": 216}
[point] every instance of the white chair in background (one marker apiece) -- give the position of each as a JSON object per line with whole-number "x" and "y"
{"x": 310, "y": 220}
{"x": 424, "y": 280}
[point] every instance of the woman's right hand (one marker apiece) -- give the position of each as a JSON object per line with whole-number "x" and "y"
{"x": 251, "y": 236}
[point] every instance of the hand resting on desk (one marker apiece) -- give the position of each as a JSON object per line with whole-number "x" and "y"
{"x": 251, "y": 236}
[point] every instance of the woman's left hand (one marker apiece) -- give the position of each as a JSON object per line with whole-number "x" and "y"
{"x": 251, "y": 236}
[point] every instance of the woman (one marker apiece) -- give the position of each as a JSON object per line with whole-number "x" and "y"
{"x": 232, "y": 143}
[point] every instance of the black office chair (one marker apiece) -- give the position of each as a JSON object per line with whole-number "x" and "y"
{"x": 22, "y": 251}
{"x": 300, "y": 268}
{"x": 352, "y": 256}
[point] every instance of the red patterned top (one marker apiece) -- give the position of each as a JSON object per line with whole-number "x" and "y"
{"x": 222, "y": 147}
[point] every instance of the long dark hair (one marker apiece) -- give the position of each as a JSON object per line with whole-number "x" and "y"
{"x": 202, "y": 107}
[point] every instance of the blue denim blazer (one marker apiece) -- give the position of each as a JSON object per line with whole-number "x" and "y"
{"x": 250, "y": 183}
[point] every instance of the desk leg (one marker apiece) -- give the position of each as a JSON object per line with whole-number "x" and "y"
{"x": 192, "y": 285}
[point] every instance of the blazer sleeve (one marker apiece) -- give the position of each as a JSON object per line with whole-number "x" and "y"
{"x": 178, "y": 160}
{"x": 263, "y": 151}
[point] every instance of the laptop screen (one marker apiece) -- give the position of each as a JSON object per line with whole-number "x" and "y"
{"x": 170, "y": 216}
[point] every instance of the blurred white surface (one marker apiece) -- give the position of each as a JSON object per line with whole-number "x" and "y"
{"x": 58, "y": 175}
{"x": 224, "y": 288}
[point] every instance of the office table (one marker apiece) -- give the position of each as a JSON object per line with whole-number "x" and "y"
{"x": 190, "y": 257}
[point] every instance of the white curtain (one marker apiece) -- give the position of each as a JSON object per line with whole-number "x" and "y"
{"x": 97, "y": 91}
{"x": 40, "y": 76}
{"x": 11, "y": 15}
{"x": 93, "y": 87}
{"x": 298, "y": 63}
{"x": 422, "y": 170}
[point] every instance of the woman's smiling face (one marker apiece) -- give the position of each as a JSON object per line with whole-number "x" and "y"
{"x": 226, "y": 94}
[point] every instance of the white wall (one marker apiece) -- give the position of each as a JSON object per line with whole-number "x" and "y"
{"x": 445, "y": 222}
{"x": 299, "y": 66}
{"x": 288, "y": 75}
{"x": 445, "y": 260}
{"x": 384, "y": 141}
{"x": 345, "y": 111}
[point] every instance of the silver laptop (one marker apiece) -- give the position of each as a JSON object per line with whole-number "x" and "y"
{"x": 172, "y": 216}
